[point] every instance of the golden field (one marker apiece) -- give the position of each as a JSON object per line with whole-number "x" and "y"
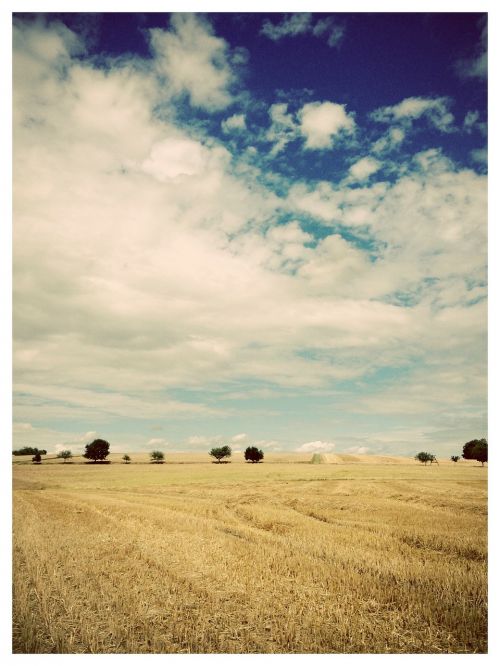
{"x": 361, "y": 554}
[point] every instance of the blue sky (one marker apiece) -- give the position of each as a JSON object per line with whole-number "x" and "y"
{"x": 250, "y": 228}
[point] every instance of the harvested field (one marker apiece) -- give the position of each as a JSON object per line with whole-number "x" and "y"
{"x": 271, "y": 558}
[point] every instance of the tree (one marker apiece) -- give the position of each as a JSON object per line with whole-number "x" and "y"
{"x": 253, "y": 454}
{"x": 97, "y": 450}
{"x": 65, "y": 455}
{"x": 29, "y": 451}
{"x": 476, "y": 449}
{"x": 425, "y": 457}
{"x": 157, "y": 457}
{"x": 480, "y": 452}
{"x": 126, "y": 459}
{"x": 221, "y": 452}
{"x": 455, "y": 458}
{"x": 37, "y": 458}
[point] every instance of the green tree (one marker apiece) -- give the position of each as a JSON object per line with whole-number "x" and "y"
{"x": 481, "y": 453}
{"x": 425, "y": 457}
{"x": 157, "y": 457}
{"x": 65, "y": 455}
{"x": 455, "y": 458}
{"x": 29, "y": 451}
{"x": 221, "y": 452}
{"x": 476, "y": 449}
{"x": 37, "y": 458}
{"x": 98, "y": 450}
{"x": 253, "y": 454}
{"x": 126, "y": 459}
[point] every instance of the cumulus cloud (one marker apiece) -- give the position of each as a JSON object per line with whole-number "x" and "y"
{"x": 283, "y": 127}
{"x": 181, "y": 271}
{"x": 316, "y": 447}
{"x": 302, "y": 24}
{"x": 435, "y": 110}
{"x": 364, "y": 168}
{"x": 235, "y": 123}
{"x": 157, "y": 441}
{"x": 320, "y": 122}
{"x": 194, "y": 61}
{"x": 391, "y": 140}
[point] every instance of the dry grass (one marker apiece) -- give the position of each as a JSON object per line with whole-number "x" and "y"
{"x": 272, "y": 558}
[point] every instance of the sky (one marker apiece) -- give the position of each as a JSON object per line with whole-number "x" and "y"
{"x": 250, "y": 229}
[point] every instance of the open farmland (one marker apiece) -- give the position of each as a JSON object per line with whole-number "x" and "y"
{"x": 362, "y": 555}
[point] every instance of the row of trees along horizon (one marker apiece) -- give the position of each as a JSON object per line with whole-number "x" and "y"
{"x": 476, "y": 449}
{"x": 98, "y": 450}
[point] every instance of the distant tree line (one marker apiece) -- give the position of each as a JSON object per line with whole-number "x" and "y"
{"x": 476, "y": 449}
{"x": 29, "y": 451}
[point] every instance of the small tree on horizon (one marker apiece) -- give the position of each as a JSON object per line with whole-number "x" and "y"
{"x": 98, "y": 450}
{"x": 220, "y": 452}
{"x": 455, "y": 459}
{"x": 253, "y": 454}
{"x": 425, "y": 457}
{"x": 37, "y": 458}
{"x": 65, "y": 455}
{"x": 157, "y": 457}
{"x": 126, "y": 459}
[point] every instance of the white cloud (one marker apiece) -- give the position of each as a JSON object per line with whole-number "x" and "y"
{"x": 175, "y": 271}
{"x": 412, "y": 108}
{"x": 283, "y": 128}
{"x": 470, "y": 120}
{"x": 316, "y": 447}
{"x": 364, "y": 168}
{"x": 174, "y": 157}
{"x": 301, "y": 24}
{"x": 389, "y": 141}
{"x": 357, "y": 450}
{"x": 242, "y": 437}
{"x": 195, "y": 61}
{"x": 479, "y": 155}
{"x": 235, "y": 123}
{"x": 290, "y": 26}
{"x": 320, "y": 122}
{"x": 157, "y": 441}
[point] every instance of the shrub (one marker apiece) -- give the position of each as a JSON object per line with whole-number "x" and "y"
{"x": 455, "y": 458}
{"x": 476, "y": 449}
{"x": 65, "y": 455}
{"x": 37, "y": 458}
{"x": 221, "y": 452}
{"x": 425, "y": 457}
{"x": 253, "y": 454}
{"x": 126, "y": 459}
{"x": 97, "y": 450}
{"x": 157, "y": 457}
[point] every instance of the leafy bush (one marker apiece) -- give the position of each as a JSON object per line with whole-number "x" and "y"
{"x": 476, "y": 449}
{"x": 455, "y": 458}
{"x": 126, "y": 459}
{"x": 65, "y": 455}
{"x": 97, "y": 450}
{"x": 157, "y": 457}
{"x": 37, "y": 458}
{"x": 253, "y": 454}
{"x": 425, "y": 457}
{"x": 221, "y": 452}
